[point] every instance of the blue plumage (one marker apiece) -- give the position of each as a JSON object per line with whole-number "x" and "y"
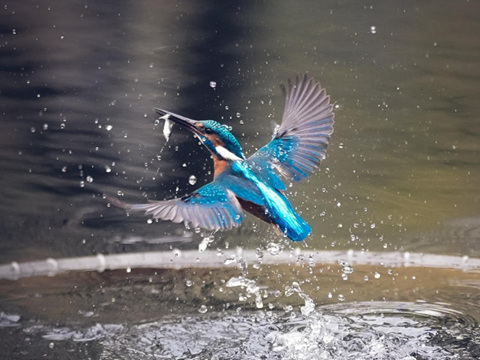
{"x": 231, "y": 143}
{"x": 275, "y": 205}
{"x": 254, "y": 184}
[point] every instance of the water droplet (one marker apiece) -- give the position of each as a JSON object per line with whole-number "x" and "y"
{"x": 373, "y": 29}
{"x": 192, "y": 180}
{"x": 202, "y": 309}
{"x": 341, "y": 297}
{"x": 346, "y": 267}
{"x": 376, "y": 275}
{"x": 64, "y": 169}
{"x": 108, "y": 169}
{"x": 230, "y": 260}
{"x": 274, "y": 248}
{"x": 213, "y": 84}
{"x": 189, "y": 283}
{"x": 205, "y": 242}
{"x": 258, "y": 301}
{"x": 109, "y": 127}
{"x": 89, "y": 179}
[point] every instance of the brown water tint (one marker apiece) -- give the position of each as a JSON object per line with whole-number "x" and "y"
{"x": 137, "y": 295}
{"x": 282, "y": 311}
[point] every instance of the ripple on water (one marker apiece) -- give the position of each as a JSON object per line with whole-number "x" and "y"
{"x": 375, "y": 330}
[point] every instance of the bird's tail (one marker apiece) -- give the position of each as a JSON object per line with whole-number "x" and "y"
{"x": 295, "y": 228}
{"x": 287, "y": 220}
{"x": 281, "y": 213}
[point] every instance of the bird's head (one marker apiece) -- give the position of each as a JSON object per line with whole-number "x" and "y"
{"x": 215, "y": 136}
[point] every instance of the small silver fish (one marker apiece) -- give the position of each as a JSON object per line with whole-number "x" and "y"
{"x": 167, "y": 128}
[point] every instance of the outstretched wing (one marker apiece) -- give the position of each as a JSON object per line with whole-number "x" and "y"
{"x": 212, "y": 207}
{"x": 299, "y": 144}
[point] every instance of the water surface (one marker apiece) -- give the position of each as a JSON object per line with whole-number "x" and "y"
{"x": 79, "y": 80}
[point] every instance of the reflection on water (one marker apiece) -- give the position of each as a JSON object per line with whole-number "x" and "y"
{"x": 78, "y": 82}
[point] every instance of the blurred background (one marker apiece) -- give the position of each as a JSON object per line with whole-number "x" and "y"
{"x": 79, "y": 81}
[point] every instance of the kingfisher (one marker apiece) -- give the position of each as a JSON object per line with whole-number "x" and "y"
{"x": 255, "y": 184}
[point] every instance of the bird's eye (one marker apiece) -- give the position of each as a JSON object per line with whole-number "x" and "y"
{"x": 208, "y": 131}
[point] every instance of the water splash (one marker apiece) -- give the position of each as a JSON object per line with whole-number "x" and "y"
{"x": 365, "y": 331}
{"x": 206, "y": 241}
{"x": 251, "y": 289}
{"x": 309, "y": 306}
{"x": 275, "y": 248}
{"x": 8, "y": 320}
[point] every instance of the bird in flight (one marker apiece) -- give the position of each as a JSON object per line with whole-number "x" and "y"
{"x": 253, "y": 184}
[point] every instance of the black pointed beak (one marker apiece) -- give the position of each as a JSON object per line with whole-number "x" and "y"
{"x": 180, "y": 120}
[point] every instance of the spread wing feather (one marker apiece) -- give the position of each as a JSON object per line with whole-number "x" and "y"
{"x": 212, "y": 207}
{"x": 300, "y": 143}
